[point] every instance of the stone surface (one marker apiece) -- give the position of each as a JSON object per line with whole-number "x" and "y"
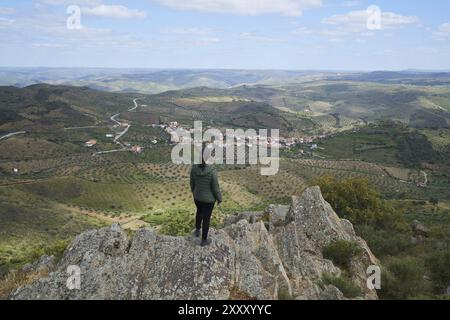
{"x": 45, "y": 263}
{"x": 331, "y": 293}
{"x": 419, "y": 229}
{"x": 250, "y": 257}
{"x": 251, "y": 217}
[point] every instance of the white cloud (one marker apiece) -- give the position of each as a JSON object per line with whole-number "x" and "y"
{"x": 187, "y": 31}
{"x": 7, "y": 10}
{"x": 351, "y": 3}
{"x": 44, "y": 30}
{"x": 113, "y": 11}
{"x": 251, "y": 36}
{"x": 71, "y": 2}
{"x": 356, "y": 21}
{"x": 5, "y": 23}
{"x": 244, "y": 7}
{"x": 97, "y": 8}
{"x": 444, "y": 32}
{"x": 301, "y": 31}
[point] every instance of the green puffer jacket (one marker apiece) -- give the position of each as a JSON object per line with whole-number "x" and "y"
{"x": 205, "y": 184}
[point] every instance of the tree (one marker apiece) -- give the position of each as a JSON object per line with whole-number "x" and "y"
{"x": 354, "y": 199}
{"x": 434, "y": 201}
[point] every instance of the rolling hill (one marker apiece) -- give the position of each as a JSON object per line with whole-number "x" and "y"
{"x": 52, "y": 186}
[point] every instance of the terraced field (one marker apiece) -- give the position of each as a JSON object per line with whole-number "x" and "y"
{"x": 272, "y": 188}
{"x": 387, "y": 180}
{"x": 439, "y": 138}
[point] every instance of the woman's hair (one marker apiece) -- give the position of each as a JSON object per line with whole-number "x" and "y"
{"x": 204, "y": 156}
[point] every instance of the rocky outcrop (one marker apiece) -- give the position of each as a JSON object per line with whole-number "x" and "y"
{"x": 420, "y": 233}
{"x": 269, "y": 255}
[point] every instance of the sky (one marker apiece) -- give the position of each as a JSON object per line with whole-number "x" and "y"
{"x": 229, "y": 34}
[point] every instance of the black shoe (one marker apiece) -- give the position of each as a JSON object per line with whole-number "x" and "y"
{"x": 197, "y": 233}
{"x": 205, "y": 242}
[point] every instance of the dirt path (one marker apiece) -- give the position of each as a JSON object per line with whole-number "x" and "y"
{"x": 80, "y": 128}
{"x": 425, "y": 177}
{"x": 129, "y": 223}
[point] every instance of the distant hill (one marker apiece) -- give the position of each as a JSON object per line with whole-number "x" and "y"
{"x": 351, "y": 101}
{"x": 150, "y": 80}
{"x": 44, "y": 106}
{"x": 311, "y": 107}
{"x": 402, "y": 77}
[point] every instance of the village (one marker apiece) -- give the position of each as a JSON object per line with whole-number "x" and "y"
{"x": 179, "y": 134}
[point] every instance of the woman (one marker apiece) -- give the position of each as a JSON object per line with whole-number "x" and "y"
{"x": 206, "y": 191}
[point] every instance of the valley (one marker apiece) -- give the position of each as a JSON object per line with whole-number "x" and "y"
{"x": 74, "y": 158}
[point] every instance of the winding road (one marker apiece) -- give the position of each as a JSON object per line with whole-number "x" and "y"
{"x": 9, "y": 135}
{"x": 127, "y": 127}
{"x": 135, "y": 105}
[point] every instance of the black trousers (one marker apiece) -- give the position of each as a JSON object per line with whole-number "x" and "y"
{"x": 203, "y": 218}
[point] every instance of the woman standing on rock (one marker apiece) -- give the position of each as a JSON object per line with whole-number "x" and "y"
{"x": 206, "y": 191}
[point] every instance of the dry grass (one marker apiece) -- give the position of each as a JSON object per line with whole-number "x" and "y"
{"x": 17, "y": 279}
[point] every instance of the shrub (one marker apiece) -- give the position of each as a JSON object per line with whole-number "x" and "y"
{"x": 434, "y": 201}
{"x": 180, "y": 222}
{"x": 354, "y": 199}
{"x": 342, "y": 252}
{"x": 438, "y": 265}
{"x": 403, "y": 279}
{"x": 345, "y": 285}
{"x": 283, "y": 294}
{"x": 385, "y": 243}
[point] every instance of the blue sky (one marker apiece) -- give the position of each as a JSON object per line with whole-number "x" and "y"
{"x": 244, "y": 34}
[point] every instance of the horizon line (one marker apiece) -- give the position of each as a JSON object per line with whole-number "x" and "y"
{"x": 227, "y": 69}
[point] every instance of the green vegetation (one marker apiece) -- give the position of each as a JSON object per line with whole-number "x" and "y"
{"x": 343, "y": 283}
{"x": 411, "y": 270}
{"x": 387, "y": 142}
{"x": 31, "y": 226}
{"x": 177, "y": 222}
{"x": 355, "y": 200}
{"x": 414, "y": 149}
{"x": 438, "y": 264}
{"x": 404, "y": 279}
{"x": 341, "y": 253}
